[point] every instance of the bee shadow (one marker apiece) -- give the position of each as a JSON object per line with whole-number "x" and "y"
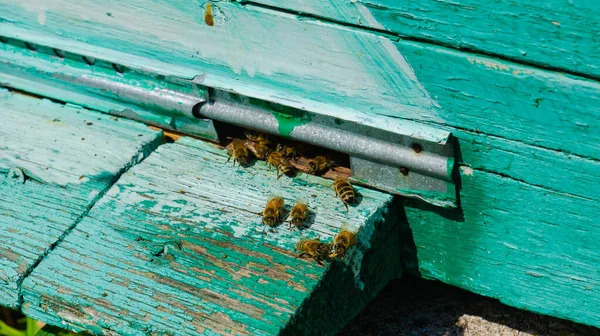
{"x": 310, "y": 220}
{"x": 358, "y": 198}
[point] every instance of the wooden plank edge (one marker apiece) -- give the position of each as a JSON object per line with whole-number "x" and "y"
{"x": 349, "y": 286}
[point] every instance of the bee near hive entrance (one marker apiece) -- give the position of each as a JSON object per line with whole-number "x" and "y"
{"x": 286, "y": 157}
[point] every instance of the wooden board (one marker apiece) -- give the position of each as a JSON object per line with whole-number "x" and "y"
{"x": 324, "y": 68}
{"x": 558, "y": 34}
{"x": 530, "y": 247}
{"x": 510, "y": 101}
{"x": 113, "y": 273}
{"x": 242, "y": 52}
{"x": 69, "y": 157}
{"x": 533, "y": 132}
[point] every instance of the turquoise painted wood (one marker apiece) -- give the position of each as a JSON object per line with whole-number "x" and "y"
{"x": 530, "y": 247}
{"x": 325, "y": 68}
{"x": 559, "y": 34}
{"x": 528, "y": 137}
{"x": 242, "y": 52}
{"x": 177, "y": 247}
{"x": 69, "y": 156}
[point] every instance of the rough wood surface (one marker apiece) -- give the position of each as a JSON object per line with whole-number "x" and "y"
{"x": 529, "y": 136}
{"x": 256, "y": 53}
{"x": 324, "y": 68}
{"x": 176, "y": 246}
{"x": 561, "y": 34}
{"x": 530, "y": 247}
{"x": 69, "y": 156}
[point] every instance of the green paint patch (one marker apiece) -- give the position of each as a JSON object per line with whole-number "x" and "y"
{"x": 288, "y": 122}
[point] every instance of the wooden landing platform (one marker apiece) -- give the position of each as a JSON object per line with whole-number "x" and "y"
{"x": 176, "y": 247}
{"x": 56, "y": 161}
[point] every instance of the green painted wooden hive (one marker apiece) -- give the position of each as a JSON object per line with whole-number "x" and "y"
{"x": 470, "y": 131}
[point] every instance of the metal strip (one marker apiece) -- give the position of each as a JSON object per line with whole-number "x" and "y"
{"x": 301, "y": 128}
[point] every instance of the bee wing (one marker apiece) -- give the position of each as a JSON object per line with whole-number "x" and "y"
{"x": 274, "y": 195}
{"x": 347, "y": 227}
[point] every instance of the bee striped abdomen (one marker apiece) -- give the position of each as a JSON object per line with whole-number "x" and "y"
{"x": 286, "y": 168}
{"x": 344, "y": 190}
{"x": 278, "y": 160}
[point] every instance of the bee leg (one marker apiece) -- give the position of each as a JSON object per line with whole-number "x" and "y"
{"x": 346, "y": 204}
{"x": 228, "y": 158}
{"x": 319, "y": 262}
{"x": 278, "y": 175}
{"x": 303, "y": 255}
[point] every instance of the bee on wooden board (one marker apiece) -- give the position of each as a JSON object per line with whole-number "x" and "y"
{"x": 258, "y": 137}
{"x": 299, "y": 215}
{"x": 238, "y": 151}
{"x": 280, "y": 163}
{"x": 345, "y": 191}
{"x": 259, "y": 150}
{"x": 289, "y": 152}
{"x": 314, "y": 249}
{"x": 320, "y": 165}
{"x": 272, "y": 212}
{"x": 342, "y": 242}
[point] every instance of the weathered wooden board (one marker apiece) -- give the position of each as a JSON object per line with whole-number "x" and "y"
{"x": 530, "y": 247}
{"x": 266, "y": 55}
{"x": 560, "y": 34}
{"x": 69, "y": 156}
{"x": 511, "y": 101}
{"x": 121, "y": 269}
{"x": 323, "y": 68}
{"x": 553, "y": 170}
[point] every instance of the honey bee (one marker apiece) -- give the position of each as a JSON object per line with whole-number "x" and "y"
{"x": 343, "y": 189}
{"x": 298, "y": 215}
{"x": 314, "y": 249}
{"x": 272, "y": 212}
{"x": 277, "y": 160}
{"x": 238, "y": 151}
{"x": 342, "y": 242}
{"x": 259, "y": 150}
{"x": 258, "y": 137}
{"x": 289, "y": 152}
{"x": 319, "y": 165}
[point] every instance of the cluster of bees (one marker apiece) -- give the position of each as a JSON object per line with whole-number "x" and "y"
{"x": 259, "y": 145}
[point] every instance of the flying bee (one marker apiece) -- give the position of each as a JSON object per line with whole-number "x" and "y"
{"x": 343, "y": 189}
{"x": 320, "y": 165}
{"x": 280, "y": 163}
{"x": 298, "y": 215}
{"x": 259, "y": 150}
{"x": 314, "y": 249}
{"x": 342, "y": 242}
{"x": 289, "y": 152}
{"x": 258, "y": 137}
{"x": 238, "y": 151}
{"x": 272, "y": 212}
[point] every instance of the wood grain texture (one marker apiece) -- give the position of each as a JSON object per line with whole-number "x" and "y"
{"x": 69, "y": 157}
{"x": 177, "y": 247}
{"x": 257, "y": 53}
{"x": 529, "y": 247}
{"x": 560, "y": 34}
{"x": 507, "y": 100}
{"x": 325, "y": 68}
